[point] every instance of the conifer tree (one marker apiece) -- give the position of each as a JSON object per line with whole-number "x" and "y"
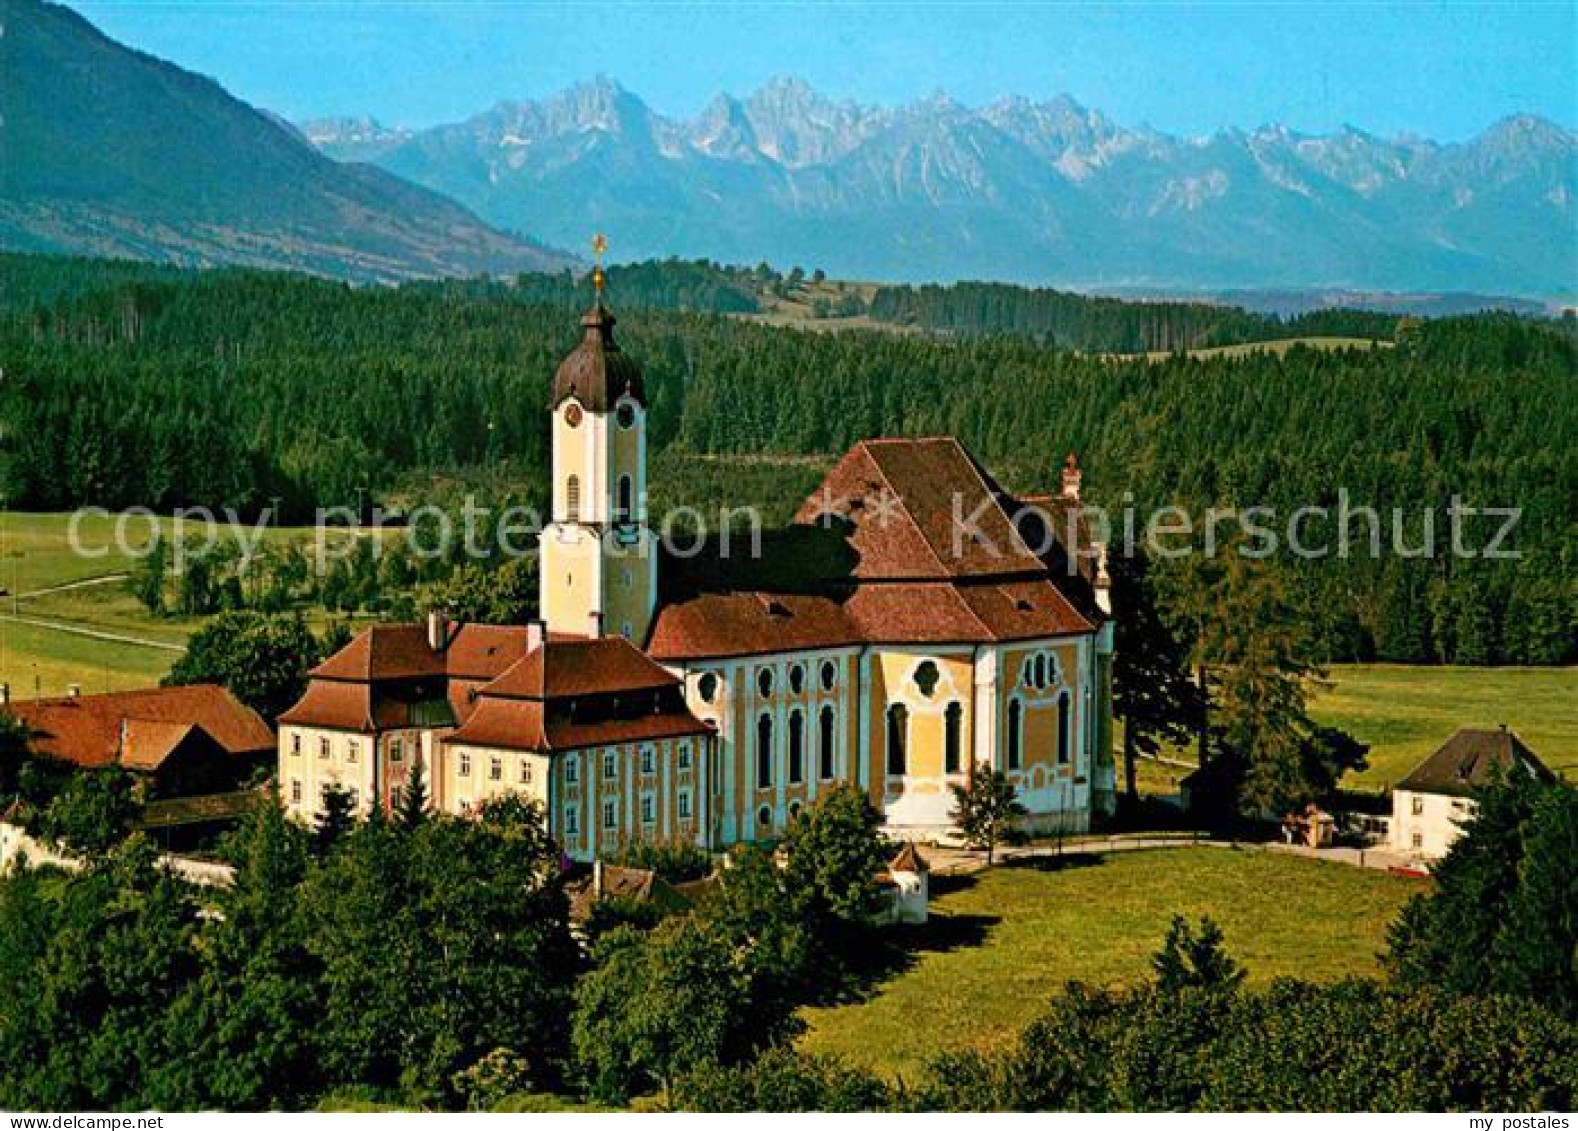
{"x": 1152, "y": 692}
{"x": 411, "y": 805}
{"x": 335, "y": 820}
{"x": 987, "y": 810}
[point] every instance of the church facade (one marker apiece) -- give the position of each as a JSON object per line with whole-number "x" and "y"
{"x": 915, "y": 622}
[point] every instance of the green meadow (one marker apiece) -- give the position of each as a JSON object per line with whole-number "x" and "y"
{"x": 1001, "y": 943}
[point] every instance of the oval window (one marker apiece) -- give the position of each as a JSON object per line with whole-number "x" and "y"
{"x": 707, "y": 686}
{"x": 797, "y": 678}
{"x": 926, "y": 677}
{"x": 829, "y": 675}
{"x": 764, "y": 682}
{"x": 625, "y": 414}
{"x": 764, "y": 816}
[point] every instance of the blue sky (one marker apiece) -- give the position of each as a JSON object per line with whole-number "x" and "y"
{"x": 1440, "y": 69}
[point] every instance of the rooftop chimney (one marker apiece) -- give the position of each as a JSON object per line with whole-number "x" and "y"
{"x": 1068, "y": 479}
{"x": 437, "y": 630}
{"x": 594, "y": 624}
{"x": 536, "y": 633}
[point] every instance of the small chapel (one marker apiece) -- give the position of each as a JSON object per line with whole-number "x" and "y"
{"x": 915, "y": 622}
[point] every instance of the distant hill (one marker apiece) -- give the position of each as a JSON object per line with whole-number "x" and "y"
{"x": 107, "y": 151}
{"x": 1018, "y": 191}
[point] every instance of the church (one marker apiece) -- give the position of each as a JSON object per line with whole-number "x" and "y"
{"x": 914, "y": 622}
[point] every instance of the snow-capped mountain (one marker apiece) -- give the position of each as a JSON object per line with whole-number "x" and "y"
{"x": 1017, "y": 190}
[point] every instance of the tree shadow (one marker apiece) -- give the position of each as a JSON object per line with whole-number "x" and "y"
{"x": 1063, "y": 862}
{"x": 896, "y": 949}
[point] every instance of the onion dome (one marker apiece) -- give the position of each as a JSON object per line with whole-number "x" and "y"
{"x": 597, "y": 373}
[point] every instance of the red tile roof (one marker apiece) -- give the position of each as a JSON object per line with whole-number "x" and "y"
{"x": 569, "y": 666}
{"x": 337, "y": 704}
{"x": 746, "y": 624}
{"x": 401, "y": 651}
{"x": 911, "y": 579}
{"x": 483, "y": 651}
{"x": 514, "y": 724}
{"x": 921, "y": 509}
{"x": 524, "y": 724}
{"x": 1024, "y": 609}
{"x": 910, "y": 612}
{"x": 140, "y": 728}
{"x": 383, "y": 651}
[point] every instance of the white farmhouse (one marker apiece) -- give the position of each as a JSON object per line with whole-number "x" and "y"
{"x": 1437, "y": 796}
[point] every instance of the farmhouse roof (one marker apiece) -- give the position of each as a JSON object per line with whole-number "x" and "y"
{"x": 1471, "y": 760}
{"x": 139, "y": 729}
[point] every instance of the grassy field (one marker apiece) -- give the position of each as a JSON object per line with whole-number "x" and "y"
{"x": 55, "y": 572}
{"x": 1278, "y": 347}
{"x": 1000, "y": 945}
{"x": 1405, "y": 713}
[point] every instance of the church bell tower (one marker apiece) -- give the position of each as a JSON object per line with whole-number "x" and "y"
{"x": 598, "y": 561}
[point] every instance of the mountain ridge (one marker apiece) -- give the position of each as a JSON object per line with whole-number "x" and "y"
{"x": 1021, "y": 190}
{"x": 112, "y": 151}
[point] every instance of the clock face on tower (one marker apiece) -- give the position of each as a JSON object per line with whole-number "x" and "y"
{"x": 572, "y": 416}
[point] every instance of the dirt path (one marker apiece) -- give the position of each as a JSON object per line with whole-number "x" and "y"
{"x": 64, "y": 586}
{"x": 92, "y": 633}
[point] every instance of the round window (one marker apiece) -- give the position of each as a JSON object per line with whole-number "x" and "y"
{"x": 926, "y": 677}
{"x": 764, "y": 682}
{"x": 625, "y": 414}
{"x": 797, "y": 678}
{"x": 707, "y": 686}
{"x": 572, "y": 415}
{"x": 829, "y": 675}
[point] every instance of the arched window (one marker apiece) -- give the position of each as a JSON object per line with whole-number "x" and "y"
{"x": 829, "y": 675}
{"x": 624, "y": 508}
{"x": 1015, "y": 728}
{"x": 797, "y": 678}
{"x": 796, "y": 747}
{"x": 1063, "y": 706}
{"x": 898, "y": 740}
{"x": 764, "y": 751}
{"x": 952, "y": 737}
{"x": 572, "y": 498}
{"x": 764, "y": 683}
{"x": 824, "y": 744}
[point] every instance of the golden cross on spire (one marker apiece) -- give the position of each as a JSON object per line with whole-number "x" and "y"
{"x": 599, "y": 249}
